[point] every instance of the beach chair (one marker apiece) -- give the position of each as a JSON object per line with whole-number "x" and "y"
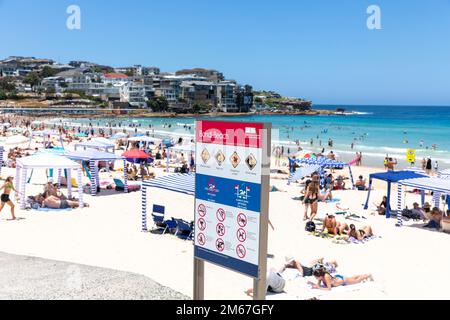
{"x": 159, "y": 223}
{"x": 120, "y": 186}
{"x": 185, "y": 230}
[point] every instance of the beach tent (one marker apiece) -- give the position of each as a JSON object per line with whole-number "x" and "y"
{"x": 45, "y": 134}
{"x": 119, "y": 135}
{"x": 189, "y": 148}
{"x": 46, "y": 161}
{"x": 181, "y": 183}
{"x": 437, "y": 185}
{"x": 2, "y": 159}
{"x": 302, "y": 172}
{"x": 390, "y": 177}
{"x": 97, "y": 145}
{"x": 326, "y": 163}
{"x": 16, "y": 140}
{"x": 94, "y": 157}
{"x": 145, "y": 140}
{"x": 444, "y": 174}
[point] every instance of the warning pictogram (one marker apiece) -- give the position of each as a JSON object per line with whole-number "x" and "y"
{"x": 201, "y": 224}
{"x": 201, "y": 239}
{"x": 201, "y": 210}
{"x": 220, "y": 230}
{"x": 220, "y": 245}
{"x": 241, "y": 251}
{"x": 221, "y": 215}
{"x": 242, "y": 220}
{"x": 241, "y": 235}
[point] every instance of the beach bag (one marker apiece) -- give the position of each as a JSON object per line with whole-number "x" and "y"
{"x": 407, "y": 213}
{"x": 310, "y": 226}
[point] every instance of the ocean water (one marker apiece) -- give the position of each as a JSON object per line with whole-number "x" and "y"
{"x": 376, "y": 131}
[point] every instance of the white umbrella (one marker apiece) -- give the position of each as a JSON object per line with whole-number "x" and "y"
{"x": 15, "y": 140}
{"x": 119, "y": 135}
{"x": 16, "y": 129}
{"x": 6, "y": 125}
{"x": 37, "y": 123}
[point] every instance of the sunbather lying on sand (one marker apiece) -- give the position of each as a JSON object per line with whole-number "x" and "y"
{"x": 361, "y": 234}
{"x": 333, "y": 226}
{"x": 327, "y": 282}
{"x": 307, "y": 270}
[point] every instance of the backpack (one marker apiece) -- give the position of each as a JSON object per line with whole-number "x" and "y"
{"x": 310, "y": 226}
{"x": 407, "y": 213}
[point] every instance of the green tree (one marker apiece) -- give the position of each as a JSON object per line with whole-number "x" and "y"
{"x": 7, "y": 84}
{"x": 48, "y": 72}
{"x": 158, "y": 104}
{"x": 32, "y": 79}
{"x": 3, "y": 95}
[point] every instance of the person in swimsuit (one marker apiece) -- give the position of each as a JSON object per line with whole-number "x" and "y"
{"x": 312, "y": 198}
{"x": 307, "y": 271}
{"x": 334, "y": 227}
{"x": 304, "y": 191}
{"x": 363, "y": 233}
{"x": 327, "y": 282}
{"x": 53, "y": 202}
{"x": 5, "y": 198}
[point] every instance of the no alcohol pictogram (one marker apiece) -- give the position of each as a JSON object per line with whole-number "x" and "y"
{"x": 220, "y": 230}
{"x": 221, "y": 215}
{"x": 201, "y": 224}
{"x": 220, "y": 245}
{"x": 201, "y": 239}
{"x": 242, "y": 220}
{"x": 241, "y": 235}
{"x": 201, "y": 210}
{"x": 241, "y": 251}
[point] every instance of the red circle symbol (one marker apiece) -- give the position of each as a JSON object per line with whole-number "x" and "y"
{"x": 241, "y": 235}
{"x": 201, "y": 239}
{"x": 242, "y": 220}
{"x": 201, "y": 224}
{"x": 241, "y": 251}
{"x": 201, "y": 210}
{"x": 220, "y": 229}
{"x": 220, "y": 245}
{"x": 221, "y": 215}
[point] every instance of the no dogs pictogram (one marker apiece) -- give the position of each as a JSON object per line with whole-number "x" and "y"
{"x": 201, "y": 210}
{"x": 220, "y": 245}
{"x": 241, "y": 251}
{"x": 241, "y": 235}
{"x": 242, "y": 220}
{"x": 201, "y": 224}
{"x": 220, "y": 228}
{"x": 221, "y": 215}
{"x": 201, "y": 239}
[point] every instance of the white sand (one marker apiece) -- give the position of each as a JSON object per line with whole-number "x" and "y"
{"x": 407, "y": 263}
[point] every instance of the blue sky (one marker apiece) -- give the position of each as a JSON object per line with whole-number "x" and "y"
{"x": 317, "y": 49}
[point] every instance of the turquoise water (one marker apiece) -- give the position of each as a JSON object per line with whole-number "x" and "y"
{"x": 375, "y": 131}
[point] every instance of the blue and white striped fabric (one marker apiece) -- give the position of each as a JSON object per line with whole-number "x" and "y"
{"x": 432, "y": 184}
{"x": 304, "y": 171}
{"x": 182, "y": 183}
{"x": 445, "y": 174}
{"x": 323, "y": 162}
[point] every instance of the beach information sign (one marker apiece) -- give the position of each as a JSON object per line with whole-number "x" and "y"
{"x": 232, "y": 190}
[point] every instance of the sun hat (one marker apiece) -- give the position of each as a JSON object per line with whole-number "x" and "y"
{"x": 289, "y": 259}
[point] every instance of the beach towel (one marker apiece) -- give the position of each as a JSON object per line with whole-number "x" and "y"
{"x": 356, "y": 241}
{"x": 53, "y": 210}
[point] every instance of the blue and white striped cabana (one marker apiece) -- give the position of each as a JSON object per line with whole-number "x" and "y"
{"x": 444, "y": 174}
{"x": 326, "y": 163}
{"x": 93, "y": 157}
{"x": 181, "y": 183}
{"x": 437, "y": 185}
{"x": 302, "y": 172}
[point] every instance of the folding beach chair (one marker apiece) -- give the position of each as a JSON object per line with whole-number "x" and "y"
{"x": 185, "y": 230}
{"x": 120, "y": 186}
{"x": 159, "y": 223}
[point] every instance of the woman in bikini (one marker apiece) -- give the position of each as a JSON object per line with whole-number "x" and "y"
{"x": 312, "y": 199}
{"x": 5, "y": 198}
{"x": 327, "y": 281}
{"x": 333, "y": 226}
{"x": 363, "y": 233}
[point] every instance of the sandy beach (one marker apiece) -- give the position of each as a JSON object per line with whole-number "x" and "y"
{"x": 108, "y": 235}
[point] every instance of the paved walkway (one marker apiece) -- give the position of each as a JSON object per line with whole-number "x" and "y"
{"x": 39, "y": 279}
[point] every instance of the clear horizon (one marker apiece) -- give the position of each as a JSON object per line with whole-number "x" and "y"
{"x": 320, "y": 51}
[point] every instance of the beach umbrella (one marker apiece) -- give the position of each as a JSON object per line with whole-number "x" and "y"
{"x": 103, "y": 140}
{"x": 310, "y": 156}
{"x": 15, "y": 140}
{"x": 16, "y": 129}
{"x": 136, "y": 154}
{"x": 81, "y": 135}
{"x": 6, "y": 125}
{"x": 36, "y": 123}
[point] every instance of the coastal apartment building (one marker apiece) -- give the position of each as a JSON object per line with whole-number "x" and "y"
{"x": 136, "y": 94}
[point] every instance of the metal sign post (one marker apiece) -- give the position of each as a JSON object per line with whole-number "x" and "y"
{"x": 232, "y": 200}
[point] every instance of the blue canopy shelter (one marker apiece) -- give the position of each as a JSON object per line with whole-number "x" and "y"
{"x": 181, "y": 183}
{"x": 96, "y": 145}
{"x": 390, "y": 177}
{"x": 326, "y": 163}
{"x": 93, "y": 157}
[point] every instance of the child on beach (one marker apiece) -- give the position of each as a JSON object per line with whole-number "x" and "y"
{"x": 5, "y": 198}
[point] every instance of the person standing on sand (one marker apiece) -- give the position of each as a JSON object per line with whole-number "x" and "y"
{"x": 5, "y": 198}
{"x": 429, "y": 166}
